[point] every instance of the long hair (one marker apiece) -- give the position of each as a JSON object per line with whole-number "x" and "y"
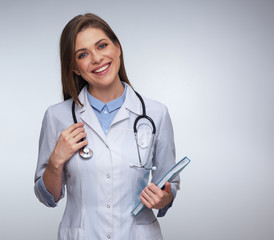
{"x": 72, "y": 84}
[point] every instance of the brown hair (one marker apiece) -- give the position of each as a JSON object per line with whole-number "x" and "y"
{"x": 72, "y": 83}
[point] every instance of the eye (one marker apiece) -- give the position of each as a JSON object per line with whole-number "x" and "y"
{"x": 102, "y": 46}
{"x": 82, "y": 55}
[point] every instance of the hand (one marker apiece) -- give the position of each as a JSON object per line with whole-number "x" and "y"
{"x": 154, "y": 197}
{"x": 68, "y": 143}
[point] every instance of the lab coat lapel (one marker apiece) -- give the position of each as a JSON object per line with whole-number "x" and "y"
{"x": 131, "y": 104}
{"x": 88, "y": 115}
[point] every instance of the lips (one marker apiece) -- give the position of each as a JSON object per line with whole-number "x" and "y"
{"x": 101, "y": 68}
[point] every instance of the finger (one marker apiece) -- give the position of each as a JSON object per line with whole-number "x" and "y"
{"x": 145, "y": 202}
{"x": 65, "y": 135}
{"x": 153, "y": 199}
{"x": 80, "y": 145}
{"x": 154, "y": 202}
{"x": 74, "y": 126}
{"x": 148, "y": 192}
{"x": 79, "y": 137}
{"x": 77, "y": 131}
{"x": 167, "y": 187}
{"x": 159, "y": 194}
{"x": 153, "y": 188}
{"x": 148, "y": 196}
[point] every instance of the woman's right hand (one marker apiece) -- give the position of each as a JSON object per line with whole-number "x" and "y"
{"x": 68, "y": 143}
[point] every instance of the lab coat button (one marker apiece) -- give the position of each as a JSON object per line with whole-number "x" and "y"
{"x": 108, "y": 206}
{"x": 108, "y": 236}
{"x": 108, "y": 175}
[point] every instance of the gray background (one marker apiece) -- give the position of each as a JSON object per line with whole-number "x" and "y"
{"x": 210, "y": 62}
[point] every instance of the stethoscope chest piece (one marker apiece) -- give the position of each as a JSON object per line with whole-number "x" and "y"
{"x": 86, "y": 153}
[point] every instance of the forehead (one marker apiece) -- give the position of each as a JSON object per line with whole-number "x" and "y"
{"x": 89, "y": 36}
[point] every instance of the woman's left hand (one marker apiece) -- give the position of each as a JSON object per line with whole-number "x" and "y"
{"x": 154, "y": 197}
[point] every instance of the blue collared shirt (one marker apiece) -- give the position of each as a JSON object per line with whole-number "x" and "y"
{"x": 106, "y": 112}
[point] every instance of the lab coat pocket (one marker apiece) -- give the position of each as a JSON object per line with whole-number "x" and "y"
{"x": 145, "y": 147}
{"x": 143, "y": 138}
{"x": 150, "y": 231}
{"x": 71, "y": 234}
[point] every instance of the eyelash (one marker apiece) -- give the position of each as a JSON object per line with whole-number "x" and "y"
{"x": 82, "y": 55}
{"x": 103, "y": 46}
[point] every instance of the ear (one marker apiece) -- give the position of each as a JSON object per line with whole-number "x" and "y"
{"x": 76, "y": 71}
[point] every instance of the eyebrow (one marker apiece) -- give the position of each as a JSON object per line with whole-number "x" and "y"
{"x": 96, "y": 44}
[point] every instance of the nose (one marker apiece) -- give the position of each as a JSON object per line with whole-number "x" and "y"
{"x": 96, "y": 58}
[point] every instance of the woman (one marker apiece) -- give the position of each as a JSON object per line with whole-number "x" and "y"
{"x": 103, "y": 190}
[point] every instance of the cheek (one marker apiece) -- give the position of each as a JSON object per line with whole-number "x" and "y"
{"x": 82, "y": 66}
{"x": 116, "y": 56}
{"x": 118, "y": 53}
{"x": 114, "y": 53}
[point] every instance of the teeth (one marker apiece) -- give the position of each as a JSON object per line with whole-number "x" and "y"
{"x": 102, "y": 69}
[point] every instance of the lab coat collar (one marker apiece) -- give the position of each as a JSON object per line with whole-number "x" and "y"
{"x": 87, "y": 114}
{"x": 131, "y": 104}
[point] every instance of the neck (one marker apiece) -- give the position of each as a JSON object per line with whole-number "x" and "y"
{"x": 107, "y": 94}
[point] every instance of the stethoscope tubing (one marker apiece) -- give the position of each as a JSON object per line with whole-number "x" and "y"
{"x": 87, "y": 152}
{"x": 84, "y": 152}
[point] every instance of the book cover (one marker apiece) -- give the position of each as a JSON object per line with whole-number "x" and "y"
{"x": 167, "y": 177}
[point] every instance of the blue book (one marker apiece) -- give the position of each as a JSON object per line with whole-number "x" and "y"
{"x": 168, "y": 177}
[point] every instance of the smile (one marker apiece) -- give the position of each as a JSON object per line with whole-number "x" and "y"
{"x": 101, "y": 69}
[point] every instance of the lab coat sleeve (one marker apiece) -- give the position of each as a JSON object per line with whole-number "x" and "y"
{"x": 47, "y": 142}
{"x": 164, "y": 155}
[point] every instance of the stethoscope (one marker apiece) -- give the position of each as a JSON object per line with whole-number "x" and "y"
{"x": 87, "y": 153}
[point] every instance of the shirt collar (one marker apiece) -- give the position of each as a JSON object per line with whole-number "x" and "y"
{"x": 112, "y": 105}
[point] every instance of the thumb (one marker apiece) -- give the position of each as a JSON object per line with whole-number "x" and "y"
{"x": 167, "y": 187}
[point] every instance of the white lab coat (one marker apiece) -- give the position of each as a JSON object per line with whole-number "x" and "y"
{"x": 103, "y": 190}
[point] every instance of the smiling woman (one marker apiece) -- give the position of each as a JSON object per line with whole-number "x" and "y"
{"x": 72, "y": 81}
{"x": 98, "y": 62}
{"x": 103, "y": 190}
